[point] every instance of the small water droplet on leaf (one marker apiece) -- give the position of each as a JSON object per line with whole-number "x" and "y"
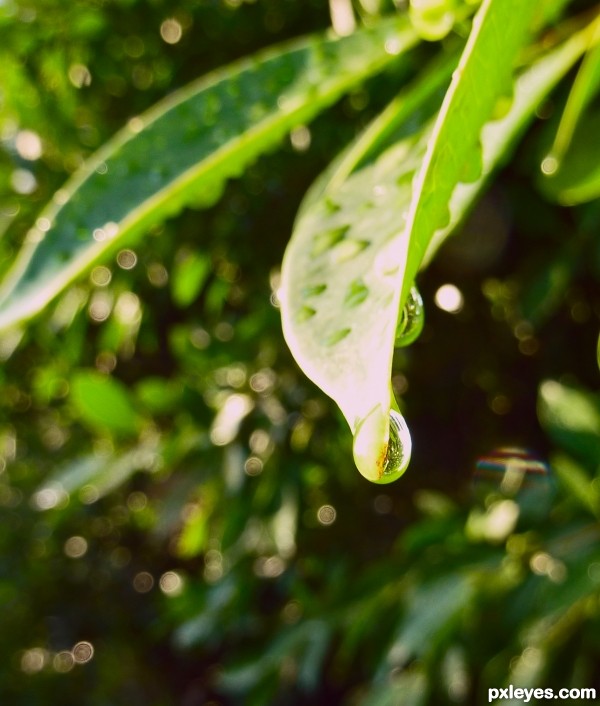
{"x": 411, "y": 320}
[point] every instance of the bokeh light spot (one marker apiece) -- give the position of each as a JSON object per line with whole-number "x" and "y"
{"x": 75, "y": 547}
{"x": 326, "y": 515}
{"x": 171, "y": 31}
{"x": 83, "y": 652}
{"x": 143, "y": 582}
{"x": 449, "y": 298}
{"x": 171, "y": 583}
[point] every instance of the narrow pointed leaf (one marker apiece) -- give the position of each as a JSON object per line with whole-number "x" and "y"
{"x": 585, "y": 87}
{"x": 184, "y": 149}
{"x": 454, "y": 154}
{"x": 342, "y": 274}
{"x": 575, "y": 178}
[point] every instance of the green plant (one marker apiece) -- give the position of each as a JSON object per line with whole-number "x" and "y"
{"x": 175, "y": 493}
{"x": 367, "y": 227}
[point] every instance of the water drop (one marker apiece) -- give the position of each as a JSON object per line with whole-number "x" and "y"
{"x": 412, "y": 319}
{"x": 382, "y": 446}
{"x": 399, "y": 448}
{"x": 549, "y": 165}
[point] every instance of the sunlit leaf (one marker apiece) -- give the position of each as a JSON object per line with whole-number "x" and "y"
{"x": 578, "y": 482}
{"x": 104, "y": 403}
{"x": 184, "y": 149}
{"x": 481, "y": 84}
{"x": 344, "y": 268}
{"x": 585, "y": 87}
{"x": 572, "y": 417}
{"x": 576, "y": 178}
{"x": 189, "y": 276}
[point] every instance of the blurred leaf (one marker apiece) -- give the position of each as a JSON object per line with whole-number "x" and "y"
{"x": 433, "y": 19}
{"x": 572, "y": 418}
{"x": 184, "y": 149}
{"x": 409, "y": 688}
{"x": 576, "y": 179}
{"x": 432, "y": 611}
{"x": 194, "y": 534}
{"x": 94, "y": 476}
{"x": 104, "y": 403}
{"x": 577, "y": 481}
{"x": 204, "y": 624}
{"x": 544, "y": 290}
{"x": 189, "y": 276}
{"x": 305, "y": 645}
{"x": 585, "y": 87}
{"x": 157, "y": 395}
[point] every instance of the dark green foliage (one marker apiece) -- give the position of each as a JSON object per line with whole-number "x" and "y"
{"x": 175, "y": 492}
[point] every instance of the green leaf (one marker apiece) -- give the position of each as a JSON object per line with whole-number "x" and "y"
{"x": 306, "y": 643}
{"x": 94, "y": 476}
{"x": 572, "y": 417}
{"x": 104, "y": 403}
{"x": 184, "y": 149}
{"x": 349, "y": 237}
{"x": 408, "y": 688}
{"x": 335, "y": 277}
{"x": 576, "y": 178}
{"x": 159, "y": 396}
{"x": 569, "y": 172}
{"x": 578, "y": 482}
{"x": 189, "y": 275}
{"x": 433, "y": 608}
{"x": 454, "y": 154}
{"x": 585, "y": 87}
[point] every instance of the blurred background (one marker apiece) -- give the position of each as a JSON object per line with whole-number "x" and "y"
{"x": 181, "y": 520}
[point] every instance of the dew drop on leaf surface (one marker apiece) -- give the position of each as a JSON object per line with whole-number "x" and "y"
{"x": 411, "y": 320}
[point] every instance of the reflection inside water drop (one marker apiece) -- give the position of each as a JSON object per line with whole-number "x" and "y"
{"x": 411, "y": 320}
{"x": 399, "y": 448}
{"x": 382, "y": 445}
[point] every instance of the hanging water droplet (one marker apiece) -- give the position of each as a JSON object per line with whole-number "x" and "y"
{"x": 399, "y": 448}
{"x": 382, "y": 460}
{"x": 411, "y": 320}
